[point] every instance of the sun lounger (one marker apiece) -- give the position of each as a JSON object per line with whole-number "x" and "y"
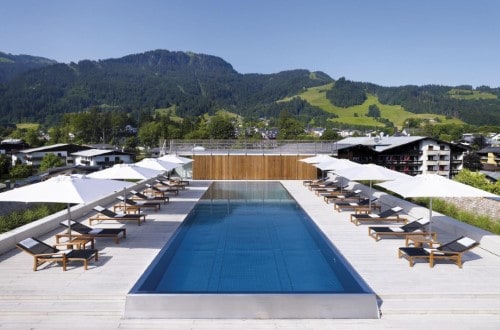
{"x": 106, "y": 214}
{"x": 176, "y": 180}
{"x": 310, "y": 182}
{"x": 86, "y": 231}
{"x": 162, "y": 190}
{"x": 327, "y": 184}
{"x": 413, "y": 228}
{"x": 136, "y": 205}
{"x": 141, "y": 196}
{"x": 171, "y": 184}
{"x": 388, "y": 215}
{"x": 354, "y": 205}
{"x": 329, "y": 190}
{"x": 452, "y": 251}
{"x": 44, "y": 253}
{"x": 342, "y": 195}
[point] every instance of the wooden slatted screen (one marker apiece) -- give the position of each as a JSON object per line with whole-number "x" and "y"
{"x": 252, "y": 167}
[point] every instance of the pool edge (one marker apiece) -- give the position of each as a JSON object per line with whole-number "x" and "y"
{"x": 255, "y": 306}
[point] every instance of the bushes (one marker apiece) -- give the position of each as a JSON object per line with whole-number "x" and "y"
{"x": 480, "y": 221}
{"x": 19, "y": 218}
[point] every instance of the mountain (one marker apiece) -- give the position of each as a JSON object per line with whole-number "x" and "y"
{"x": 194, "y": 84}
{"x": 12, "y": 66}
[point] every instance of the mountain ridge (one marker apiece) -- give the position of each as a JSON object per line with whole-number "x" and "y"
{"x": 198, "y": 83}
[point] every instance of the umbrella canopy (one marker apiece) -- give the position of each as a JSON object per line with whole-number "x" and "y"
{"x": 316, "y": 159}
{"x": 335, "y": 164}
{"x": 176, "y": 159}
{"x": 370, "y": 172}
{"x": 126, "y": 172}
{"x": 432, "y": 185}
{"x": 157, "y": 164}
{"x": 70, "y": 189}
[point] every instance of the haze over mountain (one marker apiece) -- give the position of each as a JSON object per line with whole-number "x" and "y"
{"x": 40, "y": 90}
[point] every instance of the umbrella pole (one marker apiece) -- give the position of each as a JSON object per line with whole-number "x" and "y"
{"x": 370, "y": 197}
{"x": 430, "y": 217}
{"x": 69, "y": 221}
{"x": 124, "y": 202}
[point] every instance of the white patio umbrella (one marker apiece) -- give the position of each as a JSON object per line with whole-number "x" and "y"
{"x": 157, "y": 164}
{"x": 432, "y": 185}
{"x": 370, "y": 172}
{"x": 336, "y": 164}
{"x": 126, "y": 172}
{"x": 176, "y": 159}
{"x": 70, "y": 189}
{"x": 332, "y": 164}
{"x": 316, "y": 159}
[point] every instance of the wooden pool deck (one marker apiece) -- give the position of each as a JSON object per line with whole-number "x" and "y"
{"x": 410, "y": 298}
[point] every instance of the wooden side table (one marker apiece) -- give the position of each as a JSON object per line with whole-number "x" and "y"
{"x": 77, "y": 241}
{"x": 421, "y": 240}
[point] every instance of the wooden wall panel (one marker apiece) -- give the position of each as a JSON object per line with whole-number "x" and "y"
{"x": 251, "y": 167}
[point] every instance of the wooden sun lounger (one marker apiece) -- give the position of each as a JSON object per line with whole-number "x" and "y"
{"x": 135, "y": 205}
{"x": 86, "y": 231}
{"x": 106, "y": 214}
{"x": 452, "y": 251}
{"x": 414, "y": 228}
{"x": 388, "y": 215}
{"x": 44, "y": 253}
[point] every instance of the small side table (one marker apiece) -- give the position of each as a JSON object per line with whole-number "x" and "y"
{"x": 421, "y": 240}
{"x": 76, "y": 242}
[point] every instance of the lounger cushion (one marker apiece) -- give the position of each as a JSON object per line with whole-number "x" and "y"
{"x": 466, "y": 241}
{"x": 95, "y": 231}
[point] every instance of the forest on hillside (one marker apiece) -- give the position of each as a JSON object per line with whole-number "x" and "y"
{"x": 192, "y": 85}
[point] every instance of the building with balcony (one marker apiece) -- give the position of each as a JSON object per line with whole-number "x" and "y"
{"x": 34, "y": 156}
{"x": 490, "y": 158}
{"x": 102, "y": 158}
{"x": 407, "y": 154}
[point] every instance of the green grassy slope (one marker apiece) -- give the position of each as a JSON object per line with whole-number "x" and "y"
{"x": 395, "y": 113}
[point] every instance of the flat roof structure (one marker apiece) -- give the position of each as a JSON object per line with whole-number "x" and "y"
{"x": 410, "y": 297}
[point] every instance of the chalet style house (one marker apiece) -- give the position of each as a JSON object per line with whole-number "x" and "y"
{"x": 34, "y": 156}
{"x": 407, "y": 154}
{"x": 102, "y": 158}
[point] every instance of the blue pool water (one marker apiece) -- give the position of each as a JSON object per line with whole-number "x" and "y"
{"x": 248, "y": 237}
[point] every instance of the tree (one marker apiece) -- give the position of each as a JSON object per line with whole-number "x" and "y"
{"x": 478, "y": 142}
{"x": 474, "y": 179}
{"x": 150, "y": 134}
{"x": 330, "y": 134}
{"x": 21, "y": 171}
{"x": 373, "y": 111}
{"x": 50, "y": 161}
{"x": 289, "y": 128}
{"x": 472, "y": 162}
{"x": 4, "y": 164}
{"x": 221, "y": 128}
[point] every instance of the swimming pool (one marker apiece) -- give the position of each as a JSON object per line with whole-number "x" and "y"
{"x": 247, "y": 250}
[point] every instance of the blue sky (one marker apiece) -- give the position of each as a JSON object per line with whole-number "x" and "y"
{"x": 387, "y": 42}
